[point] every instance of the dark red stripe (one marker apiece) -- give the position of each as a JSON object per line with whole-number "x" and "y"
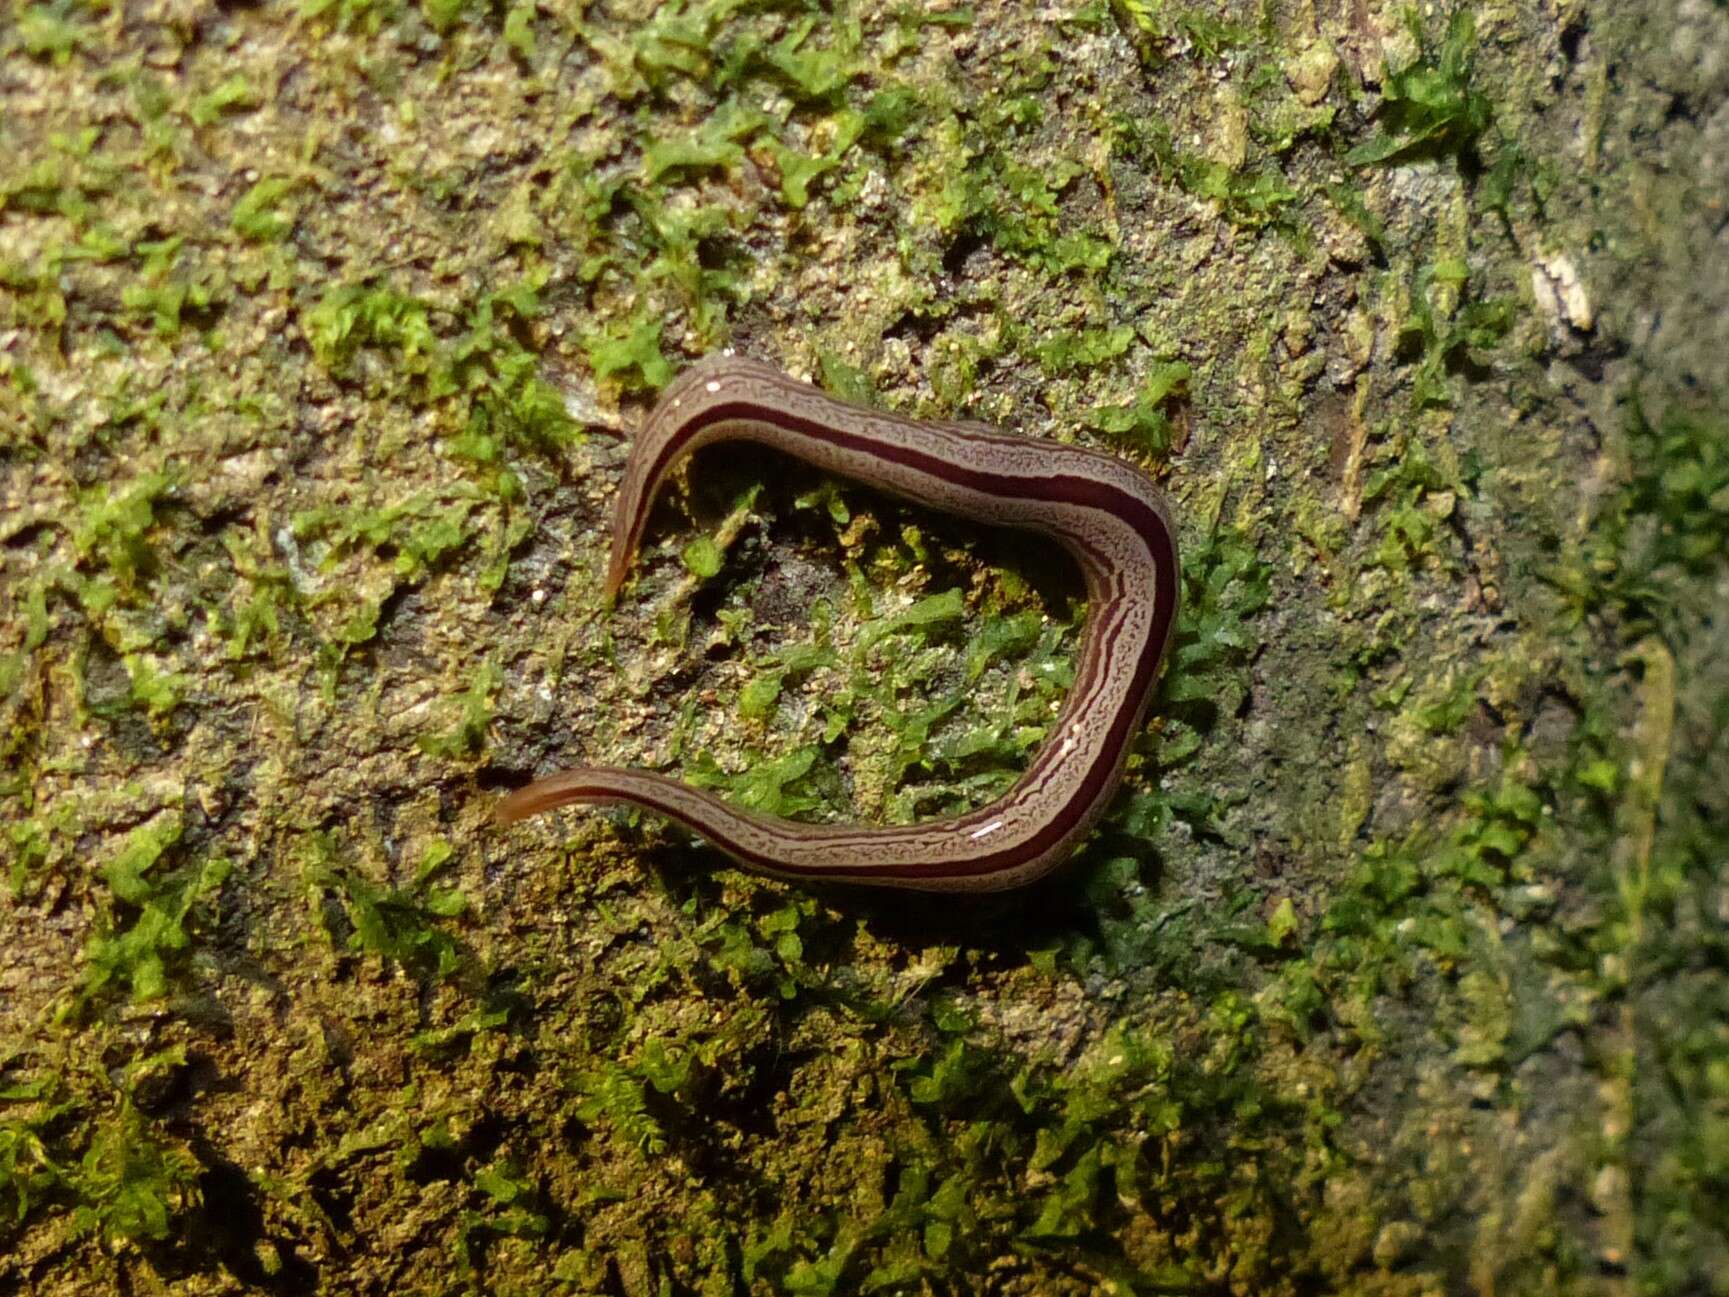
{"x": 1147, "y": 522}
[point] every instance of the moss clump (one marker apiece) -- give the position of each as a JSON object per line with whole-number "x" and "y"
{"x": 401, "y": 925}
{"x": 131, "y": 1185}
{"x": 1430, "y": 105}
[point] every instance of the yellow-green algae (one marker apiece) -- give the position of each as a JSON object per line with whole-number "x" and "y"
{"x": 1398, "y": 968}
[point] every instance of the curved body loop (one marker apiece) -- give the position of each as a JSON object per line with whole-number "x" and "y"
{"x": 1105, "y": 512}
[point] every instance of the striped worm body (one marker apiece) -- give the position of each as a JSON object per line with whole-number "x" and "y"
{"x": 1105, "y": 512}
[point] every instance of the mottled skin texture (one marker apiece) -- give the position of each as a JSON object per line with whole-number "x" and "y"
{"x": 1105, "y": 512}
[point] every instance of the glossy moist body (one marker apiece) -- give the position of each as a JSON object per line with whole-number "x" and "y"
{"x": 1106, "y": 513}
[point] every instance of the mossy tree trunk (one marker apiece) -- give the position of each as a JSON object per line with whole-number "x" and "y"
{"x": 1397, "y": 968}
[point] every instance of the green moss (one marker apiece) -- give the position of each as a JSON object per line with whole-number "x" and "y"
{"x": 415, "y": 536}
{"x": 157, "y": 691}
{"x": 1430, "y": 106}
{"x": 1445, "y": 327}
{"x": 612, "y": 1095}
{"x": 817, "y": 74}
{"x": 1673, "y": 519}
{"x": 112, "y": 531}
{"x": 1404, "y": 492}
{"x": 702, "y": 558}
{"x": 131, "y": 1185}
{"x": 717, "y": 146}
{"x": 467, "y": 737}
{"x": 468, "y": 361}
{"x": 1250, "y": 198}
{"x": 799, "y": 171}
{"x": 234, "y": 94}
{"x": 174, "y": 290}
{"x": 53, "y": 30}
{"x": 28, "y": 842}
{"x": 146, "y": 938}
{"x": 347, "y": 318}
{"x": 28, "y": 1174}
{"x": 780, "y": 785}
{"x": 1145, "y": 424}
{"x": 633, "y": 356}
{"x": 443, "y": 15}
{"x": 1444, "y": 709}
{"x": 368, "y": 16}
{"x": 1158, "y": 28}
{"x": 257, "y": 215}
{"x": 1657, "y": 805}
{"x": 397, "y": 924}
{"x": 1018, "y": 208}
{"x": 1225, "y": 585}
{"x": 1084, "y": 349}
{"x": 514, "y": 1210}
